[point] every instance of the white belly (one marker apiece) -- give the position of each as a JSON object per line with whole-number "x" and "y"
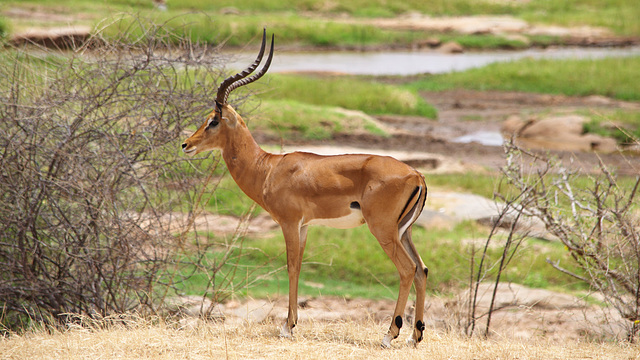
{"x": 346, "y": 222}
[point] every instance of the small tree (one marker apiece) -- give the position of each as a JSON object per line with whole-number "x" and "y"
{"x": 91, "y": 175}
{"x": 596, "y": 218}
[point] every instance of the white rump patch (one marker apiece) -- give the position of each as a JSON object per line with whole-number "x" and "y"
{"x": 354, "y": 219}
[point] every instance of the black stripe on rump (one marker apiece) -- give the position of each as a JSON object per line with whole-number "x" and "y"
{"x": 409, "y": 201}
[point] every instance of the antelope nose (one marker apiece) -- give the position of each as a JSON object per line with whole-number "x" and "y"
{"x": 184, "y": 145}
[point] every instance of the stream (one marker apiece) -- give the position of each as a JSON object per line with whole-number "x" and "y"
{"x": 419, "y": 62}
{"x": 414, "y": 62}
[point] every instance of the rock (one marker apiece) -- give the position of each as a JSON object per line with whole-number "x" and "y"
{"x": 254, "y": 310}
{"x": 599, "y": 143}
{"x": 461, "y": 206}
{"x": 69, "y": 37}
{"x": 431, "y": 219}
{"x": 451, "y": 47}
{"x": 633, "y": 149}
{"x": 555, "y": 127}
{"x": 195, "y": 307}
{"x": 445, "y": 209}
{"x": 515, "y": 295}
{"x": 556, "y": 132}
{"x": 599, "y": 100}
{"x": 431, "y": 42}
{"x": 512, "y": 125}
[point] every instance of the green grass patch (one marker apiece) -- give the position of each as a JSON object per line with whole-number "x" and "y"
{"x": 613, "y": 77}
{"x": 352, "y": 93}
{"x": 351, "y": 263}
{"x": 622, "y": 125}
{"x": 239, "y": 21}
{"x": 472, "y": 182}
{"x": 240, "y": 30}
{"x": 289, "y": 119}
{"x": 293, "y": 29}
{"x": 484, "y": 42}
{"x": 621, "y": 16}
{"x": 228, "y": 199}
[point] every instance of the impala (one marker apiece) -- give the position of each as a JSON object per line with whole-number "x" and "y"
{"x": 300, "y": 189}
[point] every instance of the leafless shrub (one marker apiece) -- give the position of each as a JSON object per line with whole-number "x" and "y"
{"x": 90, "y": 172}
{"x": 596, "y": 217}
{"x": 486, "y": 270}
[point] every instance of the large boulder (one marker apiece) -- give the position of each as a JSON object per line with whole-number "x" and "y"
{"x": 451, "y": 47}
{"x": 556, "y": 132}
{"x": 68, "y": 37}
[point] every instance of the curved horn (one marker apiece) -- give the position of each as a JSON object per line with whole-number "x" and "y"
{"x": 255, "y": 76}
{"x": 230, "y": 83}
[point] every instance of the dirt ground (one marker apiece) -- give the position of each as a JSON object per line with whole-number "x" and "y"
{"x": 524, "y": 314}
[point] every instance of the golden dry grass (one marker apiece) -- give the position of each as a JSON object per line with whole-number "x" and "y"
{"x": 146, "y": 340}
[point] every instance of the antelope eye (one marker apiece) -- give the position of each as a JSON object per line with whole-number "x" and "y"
{"x": 213, "y": 122}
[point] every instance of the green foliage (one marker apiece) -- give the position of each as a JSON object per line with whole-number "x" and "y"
{"x": 613, "y": 77}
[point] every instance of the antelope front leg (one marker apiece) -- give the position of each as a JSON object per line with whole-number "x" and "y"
{"x": 295, "y": 239}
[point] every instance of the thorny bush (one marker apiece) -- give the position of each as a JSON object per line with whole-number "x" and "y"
{"x": 90, "y": 170}
{"x": 597, "y": 219}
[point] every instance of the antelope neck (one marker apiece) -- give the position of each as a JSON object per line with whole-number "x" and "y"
{"x": 248, "y": 164}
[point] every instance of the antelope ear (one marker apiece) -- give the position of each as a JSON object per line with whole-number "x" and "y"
{"x": 230, "y": 118}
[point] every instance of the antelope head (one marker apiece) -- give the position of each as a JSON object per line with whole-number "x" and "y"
{"x": 220, "y": 123}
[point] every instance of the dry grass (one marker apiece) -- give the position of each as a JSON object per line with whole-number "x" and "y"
{"x": 142, "y": 339}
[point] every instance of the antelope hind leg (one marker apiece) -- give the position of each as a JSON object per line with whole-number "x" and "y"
{"x": 420, "y": 281}
{"x": 406, "y": 268}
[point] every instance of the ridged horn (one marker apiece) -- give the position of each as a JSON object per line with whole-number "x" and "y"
{"x": 233, "y": 82}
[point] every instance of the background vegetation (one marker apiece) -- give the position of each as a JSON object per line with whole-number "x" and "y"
{"x": 317, "y": 23}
